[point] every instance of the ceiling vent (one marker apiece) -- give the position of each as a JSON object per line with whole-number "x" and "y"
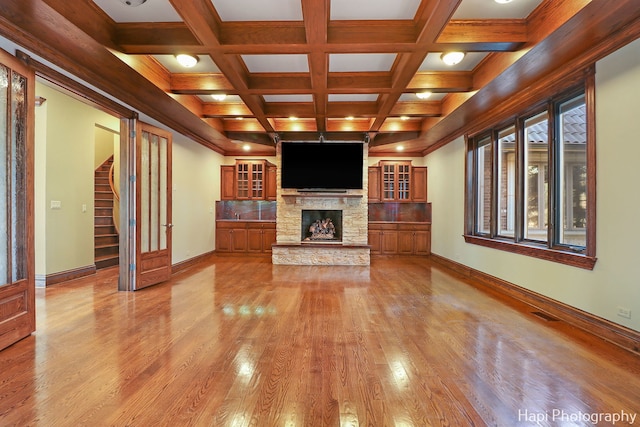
{"x": 133, "y": 3}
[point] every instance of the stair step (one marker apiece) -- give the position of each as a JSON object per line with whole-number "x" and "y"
{"x": 103, "y": 211}
{"x": 103, "y": 203}
{"x": 106, "y": 239}
{"x": 101, "y": 230}
{"x": 107, "y": 250}
{"x": 106, "y": 262}
{"x": 103, "y": 188}
{"x": 103, "y": 220}
{"x": 103, "y": 194}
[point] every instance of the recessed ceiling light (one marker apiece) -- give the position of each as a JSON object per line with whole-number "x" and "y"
{"x": 133, "y": 3}
{"x": 423, "y": 95}
{"x": 452, "y": 58}
{"x": 404, "y": 117}
{"x": 240, "y": 118}
{"x": 349, "y": 118}
{"x": 400, "y": 148}
{"x": 246, "y": 147}
{"x": 187, "y": 61}
{"x": 503, "y": 1}
{"x": 293, "y": 118}
{"x": 219, "y": 96}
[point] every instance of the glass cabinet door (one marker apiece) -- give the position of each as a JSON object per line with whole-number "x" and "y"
{"x": 257, "y": 180}
{"x": 242, "y": 180}
{"x": 404, "y": 180}
{"x": 388, "y": 181}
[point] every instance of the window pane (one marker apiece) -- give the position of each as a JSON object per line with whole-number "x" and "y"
{"x": 506, "y": 181}
{"x": 536, "y": 149}
{"x": 18, "y": 176}
{"x": 4, "y": 177}
{"x": 144, "y": 184}
{"x": 483, "y": 196}
{"x": 573, "y": 172}
{"x": 154, "y": 193}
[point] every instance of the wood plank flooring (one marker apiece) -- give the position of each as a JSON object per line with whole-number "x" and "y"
{"x": 240, "y": 342}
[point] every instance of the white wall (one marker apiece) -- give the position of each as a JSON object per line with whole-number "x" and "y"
{"x": 615, "y": 280}
{"x": 196, "y": 187}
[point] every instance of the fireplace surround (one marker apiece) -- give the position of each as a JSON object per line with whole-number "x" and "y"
{"x": 351, "y": 248}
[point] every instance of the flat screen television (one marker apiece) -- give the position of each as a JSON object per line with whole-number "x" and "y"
{"x": 322, "y": 166}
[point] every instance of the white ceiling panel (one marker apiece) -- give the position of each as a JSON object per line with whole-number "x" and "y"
{"x": 288, "y": 98}
{"x": 276, "y": 63}
{"x": 204, "y": 65}
{"x": 488, "y": 9}
{"x": 373, "y": 9}
{"x": 433, "y": 62}
{"x": 361, "y": 62}
{"x": 352, "y": 97}
{"x": 258, "y": 10}
{"x": 151, "y": 11}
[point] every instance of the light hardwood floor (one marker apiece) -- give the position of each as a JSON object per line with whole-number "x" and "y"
{"x": 238, "y": 342}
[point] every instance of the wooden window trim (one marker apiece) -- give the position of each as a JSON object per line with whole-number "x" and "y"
{"x": 584, "y": 258}
{"x": 534, "y": 250}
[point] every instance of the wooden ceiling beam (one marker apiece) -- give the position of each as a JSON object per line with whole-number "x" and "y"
{"x": 417, "y": 108}
{"x": 596, "y": 30}
{"x": 203, "y": 22}
{"x": 430, "y": 20}
{"x": 316, "y": 20}
{"x": 379, "y": 33}
{"x": 225, "y": 109}
{"x": 485, "y": 31}
{"x": 263, "y": 33}
{"x": 441, "y": 81}
{"x": 206, "y": 83}
{"x": 165, "y": 34}
{"x": 339, "y": 36}
{"x": 39, "y": 28}
{"x": 89, "y": 18}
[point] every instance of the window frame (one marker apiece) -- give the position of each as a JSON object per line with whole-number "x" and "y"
{"x": 551, "y": 249}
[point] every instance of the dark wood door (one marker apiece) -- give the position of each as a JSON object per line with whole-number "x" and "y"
{"x": 17, "y": 253}
{"x": 153, "y": 213}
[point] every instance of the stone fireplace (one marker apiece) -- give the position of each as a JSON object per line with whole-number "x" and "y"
{"x": 347, "y": 210}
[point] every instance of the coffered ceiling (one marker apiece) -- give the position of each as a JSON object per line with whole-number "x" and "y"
{"x": 301, "y": 69}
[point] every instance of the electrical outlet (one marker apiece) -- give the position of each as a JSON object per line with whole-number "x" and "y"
{"x": 624, "y": 312}
{"x": 56, "y": 204}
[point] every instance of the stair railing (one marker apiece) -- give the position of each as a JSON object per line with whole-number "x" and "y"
{"x": 116, "y": 199}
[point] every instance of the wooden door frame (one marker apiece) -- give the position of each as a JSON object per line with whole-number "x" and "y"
{"x": 128, "y": 122}
{"x": 17, "y": 298}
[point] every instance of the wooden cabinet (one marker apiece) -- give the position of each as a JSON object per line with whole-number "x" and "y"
{"x": 395, "y": 177}
{"x": 245, "y": 236}
{"x": 227, "y": 179}
{"x": 400, "y": 238}
{"x": 271, "y": 186}
{"x": 397, "y": 181}
{"x": 374, "y": 183}
{"x": 248, "y": 180}
{"x": 419, "y": 183}
{"x": 260, "y": 236}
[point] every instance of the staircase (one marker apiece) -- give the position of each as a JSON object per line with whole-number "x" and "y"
{"x": 106, "y": 236}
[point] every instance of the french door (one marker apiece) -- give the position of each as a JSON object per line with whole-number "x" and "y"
{"x": 153, "y": 206}
{"x": 17, "y": 253}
